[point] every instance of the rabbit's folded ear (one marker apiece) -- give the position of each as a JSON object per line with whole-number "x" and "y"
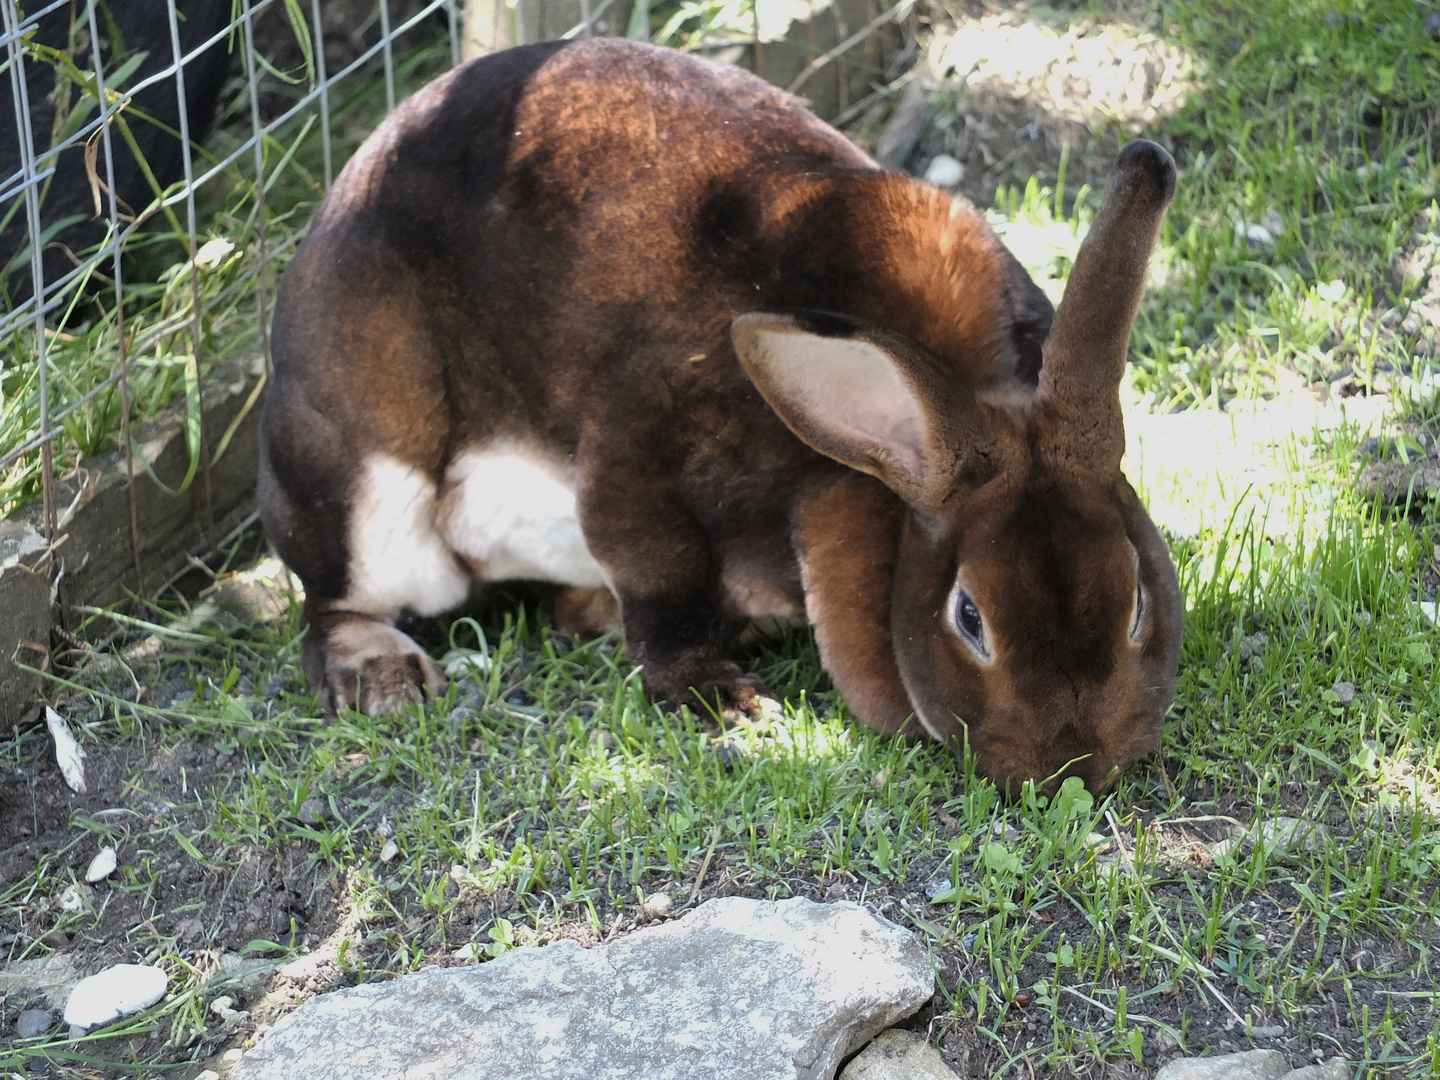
{"x": 1084, "y": 357}
{"x": 867, "y": 397}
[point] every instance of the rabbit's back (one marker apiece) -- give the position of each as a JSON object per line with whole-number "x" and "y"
{"x": 601, "y": 210}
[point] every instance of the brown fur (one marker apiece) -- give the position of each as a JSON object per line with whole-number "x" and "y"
{"x": 553, "y": 244}
{"x": 847, "y": 535}
{"x": 586, "y": 613}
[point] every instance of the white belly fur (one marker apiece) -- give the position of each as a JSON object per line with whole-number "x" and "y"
{"x": 397, "y": 559}
{"x": 502, "y": 513}
{"x": 511, "y": 514}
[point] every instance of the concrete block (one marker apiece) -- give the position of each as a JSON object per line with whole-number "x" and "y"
{"x": 24, "y": 614}
{"x": 93, "y": 560}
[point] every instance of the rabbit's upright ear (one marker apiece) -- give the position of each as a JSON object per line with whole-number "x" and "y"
{"x": 867, "y": 397}
{"x": 1084, "y": 357}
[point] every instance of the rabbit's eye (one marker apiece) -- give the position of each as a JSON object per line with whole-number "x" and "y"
{"x": 968, "y": 616}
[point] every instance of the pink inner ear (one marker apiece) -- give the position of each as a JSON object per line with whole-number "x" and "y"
{"x": 849, "y": 391}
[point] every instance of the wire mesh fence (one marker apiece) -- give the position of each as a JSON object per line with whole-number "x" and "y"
{"x": 160, "y": 159}
{"x": 155, "y": 152}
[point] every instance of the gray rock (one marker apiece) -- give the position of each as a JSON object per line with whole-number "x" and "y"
{"x": 231, "y": 969}
{"x": 32, "y": 1022}
{"x": 314, "y": 812}
{"x": 1400, "y": 481}
{"x": 898, "y": 1055}
{"x": 939, "y": 885}
{"x": 1334, "y": 1069}
{"x": 1251, "y": 1065}
{"x": 742, "y": 989}
{"x": 24, "y": 612}
{"x": 1282, "y": 838}
{"x": 909, "y": 119}
{"x": 54, "y": 976}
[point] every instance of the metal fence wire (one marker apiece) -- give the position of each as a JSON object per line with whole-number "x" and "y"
{"x": 160, "y": 159}
{"x": 135, "y": 125}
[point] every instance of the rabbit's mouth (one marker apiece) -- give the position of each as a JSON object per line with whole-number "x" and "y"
{"x": 1009, "y": 760}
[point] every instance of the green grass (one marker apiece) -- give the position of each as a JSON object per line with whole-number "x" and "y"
{"x": 1319, "y": 116}
{"x": 545, "y": 797}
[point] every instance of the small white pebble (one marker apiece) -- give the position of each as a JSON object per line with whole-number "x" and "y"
{"x": 1344, "y": 692}
{"x": 115, "y": 992}
{"x": 221, "y": 1005}
{"x": 389, "y": 851}
{"x": 72, "y": 899}
{"x": 212, "y": 253}
{"x": 659, "y": 903}
{"x": 944, "y": 171}
{"x": 208, "y": 1074}
{"x": 230, "y": 1057}
{"x": 67, "y": 751}
{"x": 102, "y": 866}
{"x": 1254, "y": 233}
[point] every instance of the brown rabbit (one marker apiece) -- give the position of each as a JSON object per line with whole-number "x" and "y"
{"x": 611, "y": 316}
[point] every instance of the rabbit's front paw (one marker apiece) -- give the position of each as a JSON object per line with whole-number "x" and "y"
{"x": 375, "y": 668}
{"x": 718, "y": 689}
{"x": 751, "y": 701}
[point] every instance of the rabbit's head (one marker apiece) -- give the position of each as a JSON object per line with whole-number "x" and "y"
{"x": 1033, "y": 608}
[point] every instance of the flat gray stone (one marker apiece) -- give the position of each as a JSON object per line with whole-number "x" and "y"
{"x": 24, "y": 614}
{"x": 33, "y": 1022}
{"x": 736, "y": 990}
{"x": 1283, "y": 837}
{"x": 898, "y": 1055}
{"x": 54, "y": 976}
{"x": 1251, "y": 1065}
{"x": 1335, "y": 1069}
